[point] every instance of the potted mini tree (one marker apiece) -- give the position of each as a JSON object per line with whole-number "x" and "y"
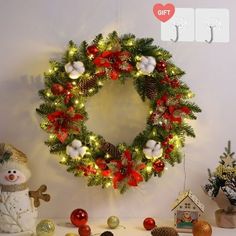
{"x": 222, "y": 189}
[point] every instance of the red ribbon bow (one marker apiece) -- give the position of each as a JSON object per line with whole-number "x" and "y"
{"x": 62, "y": 123}
{"x": 127, "y": 170}
{"x": 115, "y": 62}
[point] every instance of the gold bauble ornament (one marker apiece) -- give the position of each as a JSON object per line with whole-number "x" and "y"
{"x": 202, "y": 228}
{"x": 71, "y": 234}
{"x": 45, "y": 228}
{"x": 113, "y": 222}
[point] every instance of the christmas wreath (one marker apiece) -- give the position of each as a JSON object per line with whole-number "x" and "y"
{"x": 81, "y": 73}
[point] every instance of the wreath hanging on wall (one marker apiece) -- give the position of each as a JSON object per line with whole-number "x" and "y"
{"x": 81, "y": 73}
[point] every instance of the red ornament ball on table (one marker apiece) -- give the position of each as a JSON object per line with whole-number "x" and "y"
{"x": 92, "y": 50}
{"x": 158, "y": 166}
{"x": 79, "y": 217}
{"x": 84, "y": 230}
{"x": 149, "y": 223}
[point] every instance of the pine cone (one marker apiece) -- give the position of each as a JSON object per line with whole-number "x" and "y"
{"x": 150, "y": 87}
{"x": 164, "y": 231}
{"x": 110, "y": 149}
{"x": 85, "y": 85}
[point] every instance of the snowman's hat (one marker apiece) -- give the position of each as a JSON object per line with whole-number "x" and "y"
{"x": 12, "y": 158}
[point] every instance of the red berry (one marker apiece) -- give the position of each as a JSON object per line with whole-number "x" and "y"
{"x": 167, "y": 156}
{"x": 84, "y": 230}
{"x": 158, "y": 166}
{"x": 149, "y": 223}
{"x": 92, "y": 50}
{"x": 170, "y": 136}
{"x": 171, "y": 146}
{"x": 57, "y": 89}
{"x": 161, "y": 66}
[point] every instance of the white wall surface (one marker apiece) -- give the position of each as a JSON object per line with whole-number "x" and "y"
{"x": 33, "y": 31}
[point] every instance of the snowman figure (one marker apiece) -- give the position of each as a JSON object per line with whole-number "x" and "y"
{"x": 18, "y": 205}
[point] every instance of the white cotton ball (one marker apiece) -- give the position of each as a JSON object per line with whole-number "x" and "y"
{"x": 68, "y": 149}
{"x": 150, "y": 68}
{"x": 82, "y": 151}
{"x": 157, "y": 152}
{"x": 151, "y": 144}
{"x": 152, "y": 61}
{"x": 76, "y": 143}
{"x": 148, "y": 152}
{"x": 74, "y": 153}
{"x": 68, "y": 67}
{"x": 74, "y": 74}
{"x": 78, "y": 65}
{"x": 144, "y": 60}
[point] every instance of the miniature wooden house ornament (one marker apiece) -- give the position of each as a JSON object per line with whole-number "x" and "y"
{"x": 187, "y": 210}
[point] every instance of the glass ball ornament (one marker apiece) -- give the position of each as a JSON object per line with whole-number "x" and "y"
{"x": 107, "y": 233}
{"x": 79, "y": 217}
{"x": 84, "y": 230}
{"x": 202, "y": 228}
{"x": 149, "y": 223}
{"x": 45, "y": 228}
{"x": 113, "y": 222}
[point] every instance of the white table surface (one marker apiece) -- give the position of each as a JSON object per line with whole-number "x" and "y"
{"x": 133, "y": 227}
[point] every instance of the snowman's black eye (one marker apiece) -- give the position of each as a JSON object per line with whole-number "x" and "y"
{"x": 14, "y": 172}
{"x": 9, "y": 172}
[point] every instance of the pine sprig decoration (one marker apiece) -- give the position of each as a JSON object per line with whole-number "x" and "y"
{"x": 81, "y": 73}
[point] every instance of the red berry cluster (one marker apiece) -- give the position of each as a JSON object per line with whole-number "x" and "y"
{"x": 167, "y": 147}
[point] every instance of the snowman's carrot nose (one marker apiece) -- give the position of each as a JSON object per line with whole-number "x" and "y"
{"x": 11, "y": 177}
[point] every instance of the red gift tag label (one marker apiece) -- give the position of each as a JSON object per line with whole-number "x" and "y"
{"x": 163, "y": 12}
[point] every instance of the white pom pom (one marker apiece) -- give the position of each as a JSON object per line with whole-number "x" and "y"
{"x": 151, "y": 144}
{"x": 148, "y": 152}
{"x": 68, "y": 67}
{"x": 82, "y": 151}
{"x": 74, "y": 74}
{"x": 76, "y": 143}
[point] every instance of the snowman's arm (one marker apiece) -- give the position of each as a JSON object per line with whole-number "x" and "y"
{"x": 39, "y": 194}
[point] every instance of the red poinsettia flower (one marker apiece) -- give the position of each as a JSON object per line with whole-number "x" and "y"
{"x": 62, "y": 122}
{"x": 127, "y": 170}
{"x": 114, "y": 62}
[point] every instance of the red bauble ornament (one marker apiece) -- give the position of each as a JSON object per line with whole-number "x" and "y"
{"x": 79, "y": 217}
{"x": 92, "y": 50}
{"x": 84, "y": 230}
{"x": 149, "y": 223}
{"x": 57, "y": 89}
{"x": 158, "y": 166}
{"x": 161, "y": 66}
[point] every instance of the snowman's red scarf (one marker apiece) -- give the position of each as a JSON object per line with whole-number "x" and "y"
{"x": 13, "y": 188}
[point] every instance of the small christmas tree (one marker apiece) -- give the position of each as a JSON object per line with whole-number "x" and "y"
{"x": 224, "y": 178}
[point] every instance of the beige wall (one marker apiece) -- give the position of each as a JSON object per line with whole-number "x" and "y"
{"x": 34, "y": 31}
